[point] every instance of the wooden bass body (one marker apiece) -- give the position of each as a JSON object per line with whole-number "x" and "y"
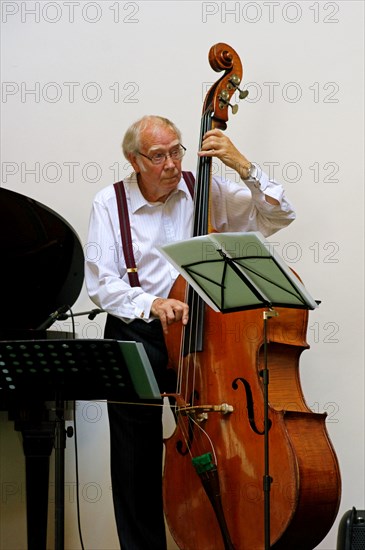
{"x": 306, "y": 485}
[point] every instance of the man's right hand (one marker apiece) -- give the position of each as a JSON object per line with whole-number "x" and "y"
{"x": 169, "y": 311}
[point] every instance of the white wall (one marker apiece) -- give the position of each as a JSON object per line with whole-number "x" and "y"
{"x": 76, "y": 74}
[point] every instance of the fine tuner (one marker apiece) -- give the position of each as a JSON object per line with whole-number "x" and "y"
{"x": 234, "y": 82}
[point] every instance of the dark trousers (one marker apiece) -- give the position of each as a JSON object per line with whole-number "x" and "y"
{"x": 136, "y": 448}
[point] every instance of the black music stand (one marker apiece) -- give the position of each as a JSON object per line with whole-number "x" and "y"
{"x": 61, "y": 370}
{"x": 237, "y": 271}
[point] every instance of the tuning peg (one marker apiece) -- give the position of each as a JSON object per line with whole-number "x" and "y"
{"x": 234, "y": 108}
{"x": 243, "y": 94}
{"x": 223, "y": 102}
{"x": 235, "y": 81}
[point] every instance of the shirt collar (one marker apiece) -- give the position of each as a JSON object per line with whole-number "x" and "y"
{"x": 136, "y": 198}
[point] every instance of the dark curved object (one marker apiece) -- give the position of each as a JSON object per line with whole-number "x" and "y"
{"x": 42, "y": 262}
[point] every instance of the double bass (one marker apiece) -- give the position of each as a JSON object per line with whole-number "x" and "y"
{"x": 214, "y": 471}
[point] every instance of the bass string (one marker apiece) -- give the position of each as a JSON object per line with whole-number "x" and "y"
{"x": 186, "y": 378}
{"x": 201, "y": 217}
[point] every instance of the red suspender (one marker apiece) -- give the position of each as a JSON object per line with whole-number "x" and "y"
{"x": 190, "y": 182}
{"x": 125, "y": 229}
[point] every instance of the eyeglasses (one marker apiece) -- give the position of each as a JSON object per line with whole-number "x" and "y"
{"x": 176, "y": 153}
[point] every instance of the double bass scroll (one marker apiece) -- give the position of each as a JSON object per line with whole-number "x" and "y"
{"x": 217, "y": 102}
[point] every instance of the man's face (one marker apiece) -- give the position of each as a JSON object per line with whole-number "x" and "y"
{"x": 157, "y": 182}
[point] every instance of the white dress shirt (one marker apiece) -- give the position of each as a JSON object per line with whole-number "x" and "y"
{"x": 235, "y": 207}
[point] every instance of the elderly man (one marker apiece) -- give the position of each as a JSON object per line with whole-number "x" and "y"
{"x": 158, "y": 209}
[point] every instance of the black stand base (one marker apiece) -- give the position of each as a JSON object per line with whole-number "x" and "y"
{"x": 38, "y": 442}
{"x": 39, "y": 438}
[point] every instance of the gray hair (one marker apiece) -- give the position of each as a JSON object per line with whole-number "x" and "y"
{"x": 131, "y": 140}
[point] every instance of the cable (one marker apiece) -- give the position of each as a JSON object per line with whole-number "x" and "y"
{"x": 77, "y": 480}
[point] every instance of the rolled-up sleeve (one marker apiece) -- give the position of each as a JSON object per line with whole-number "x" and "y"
{"x": 243, "y": 206}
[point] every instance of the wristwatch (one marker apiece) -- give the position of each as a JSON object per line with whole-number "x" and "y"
{"x": 251, "y": 172}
